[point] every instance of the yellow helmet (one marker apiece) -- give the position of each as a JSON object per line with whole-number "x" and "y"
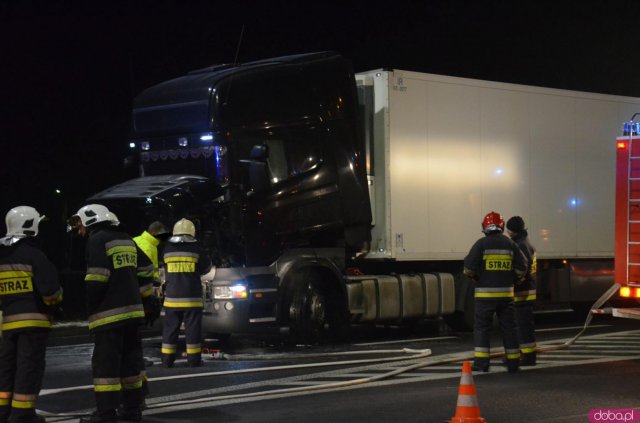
{"x": 184, "y": 227}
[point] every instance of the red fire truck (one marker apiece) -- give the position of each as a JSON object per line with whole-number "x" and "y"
{"x": 627, "y": 218}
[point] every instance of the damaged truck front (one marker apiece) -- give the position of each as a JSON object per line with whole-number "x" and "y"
{"x": 267, "y": 161}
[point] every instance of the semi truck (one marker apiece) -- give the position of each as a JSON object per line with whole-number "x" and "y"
{"x": 327, "y": 197}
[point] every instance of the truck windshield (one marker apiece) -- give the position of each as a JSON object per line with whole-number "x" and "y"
{"x": 183, "y": 156}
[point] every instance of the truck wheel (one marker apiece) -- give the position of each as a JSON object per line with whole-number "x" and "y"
{"x": 314, "y": 309}
{"x": 462, "y": 319}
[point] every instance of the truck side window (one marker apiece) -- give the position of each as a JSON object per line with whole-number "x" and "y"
{"x": 292, "y": 152}
{"x": 277, "y": 161}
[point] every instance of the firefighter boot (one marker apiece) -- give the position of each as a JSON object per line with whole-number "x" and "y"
{"x": 512, "y": 365}
{"x": 4, "y": 414}
{"x": 108, "y": 416}
{"x": 129, "y": 414}
{"x": 480, "y": 365}
{"x": 528, "y": 359}
{"x": 167, "y": 360}
{"x": 194, "y": 360}
{"x": 26, "y": 418}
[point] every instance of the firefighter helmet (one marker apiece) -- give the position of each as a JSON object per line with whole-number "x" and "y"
{"x": 95, "y": 213}
{"x": 111, "y": 217}
{"x": 23, "y": 221}
{"x": 184, "y": 227}
{"x": 492, "y": 222}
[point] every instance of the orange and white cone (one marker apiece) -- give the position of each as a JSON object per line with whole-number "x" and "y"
{"x": 467, "y": 409}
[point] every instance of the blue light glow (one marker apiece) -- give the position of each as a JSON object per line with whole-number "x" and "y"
{"x": 574, "y": 202}
{"x": 499, "y": 171}
{"x": 206, "y": 137}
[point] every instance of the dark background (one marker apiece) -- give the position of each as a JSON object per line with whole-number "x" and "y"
{"x": 70, "y": 69}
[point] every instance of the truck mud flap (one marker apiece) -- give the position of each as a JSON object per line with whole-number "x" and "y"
{"x": 385, "y": 298}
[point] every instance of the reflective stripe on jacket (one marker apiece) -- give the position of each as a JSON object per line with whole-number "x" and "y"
{"x": 113, "y": 288}
{"x": 495, "y": 262}
{"x": 184, "y": 263}
{"x": 28, "y": 284}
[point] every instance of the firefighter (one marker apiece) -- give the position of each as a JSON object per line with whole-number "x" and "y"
{"x": 115, "y": 311}
{"x": 29, "y": 290}
{"x": 525, "y": 293}
{"x": 495, "y": 263}
{"x": 185, "y": 262}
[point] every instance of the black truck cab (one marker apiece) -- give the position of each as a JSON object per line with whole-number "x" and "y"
{"x": 266, "y": 158}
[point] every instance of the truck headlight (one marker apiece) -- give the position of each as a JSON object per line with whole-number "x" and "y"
{"x": 229, "y": 292}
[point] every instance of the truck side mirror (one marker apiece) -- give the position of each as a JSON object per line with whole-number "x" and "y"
{"x": 259, "y": 175}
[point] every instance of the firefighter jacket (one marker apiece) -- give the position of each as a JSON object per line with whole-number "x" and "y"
{"x": 149, "y": 246}
{"x": 113, "y": 287}
{"x": 28, "y": 287}
{"x": 184, "y": 263}
{"x": 526, "y": 291}
{"x": 495, "y": 262}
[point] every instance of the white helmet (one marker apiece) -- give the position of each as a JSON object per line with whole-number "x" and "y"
{"x": 111, "y": 217}
{"x": 22, "y": 221}
{"x": 95, "y": 213}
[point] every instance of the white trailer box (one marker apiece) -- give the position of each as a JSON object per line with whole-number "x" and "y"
{"x": 447, "y": 150}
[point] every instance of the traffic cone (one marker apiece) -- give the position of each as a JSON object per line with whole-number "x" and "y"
{"x": 467, "y": 409}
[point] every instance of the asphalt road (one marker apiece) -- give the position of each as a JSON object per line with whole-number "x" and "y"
{"x": 262, "y": 380}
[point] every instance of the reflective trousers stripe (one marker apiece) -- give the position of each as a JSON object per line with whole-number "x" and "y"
{"x": 22, "y": 404}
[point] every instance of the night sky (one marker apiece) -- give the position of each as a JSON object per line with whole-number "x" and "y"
{"x": 70, "y": 69}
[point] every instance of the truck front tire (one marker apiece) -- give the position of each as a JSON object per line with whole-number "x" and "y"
{"x": 315, "y": 310}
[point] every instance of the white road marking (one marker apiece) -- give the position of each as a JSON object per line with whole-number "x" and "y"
{"x": 578, "y": 354}
{"x": 405, "y": 341}
{"x": 570, "y": 328}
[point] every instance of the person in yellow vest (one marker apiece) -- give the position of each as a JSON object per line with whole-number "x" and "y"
{"x": 149, "y": 241}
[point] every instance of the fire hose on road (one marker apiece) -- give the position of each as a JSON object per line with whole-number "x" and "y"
{"x": 414, "y": 355}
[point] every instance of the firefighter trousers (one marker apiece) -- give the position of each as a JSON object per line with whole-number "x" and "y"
{"x": 22, "y": 363}
{"x": 526, "y": 327}
{"x": 116, "y": 363}
{"x": 173, "y": 318}
{"x": 504, "y": 309}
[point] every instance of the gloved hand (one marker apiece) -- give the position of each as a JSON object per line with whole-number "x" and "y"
{"x": 152, "y": 307}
